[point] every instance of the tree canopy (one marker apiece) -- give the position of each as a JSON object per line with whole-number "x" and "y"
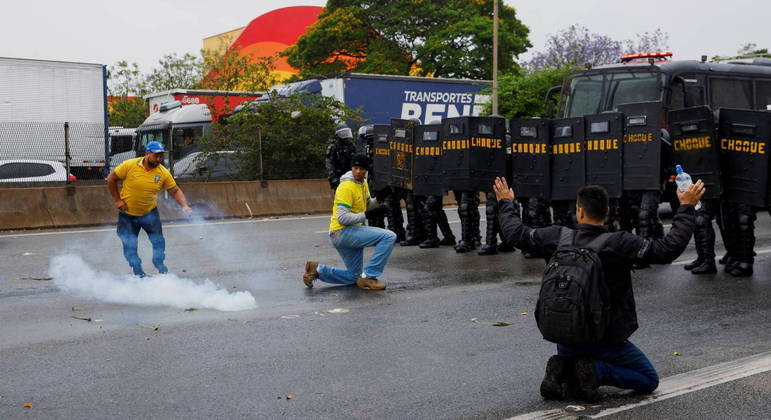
{"x": 449, "y": 38}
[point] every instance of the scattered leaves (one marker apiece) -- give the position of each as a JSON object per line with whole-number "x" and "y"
{"x": 37, "y": 278}
{"x": 289, "y": 396}
{"x": 523, "y": 313}
{"x": 191, "y": 309}
{"x": 677, "y": 353}
{"x": 492, "y": 324}
{"x": 27, "y": 405}
{"x": 83, "y": 318}
{"x": 333, "y": 294}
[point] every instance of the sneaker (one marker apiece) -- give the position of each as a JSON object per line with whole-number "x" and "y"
{"x": 311, "y": 273}
{"x": 587, "y": 381}
{"x": 555, "y": 382}
{"x": 371, "y": 283}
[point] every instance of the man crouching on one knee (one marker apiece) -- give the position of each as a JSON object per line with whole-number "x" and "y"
{"x": 347, "y": 233}
{"x": 612, "y": 360}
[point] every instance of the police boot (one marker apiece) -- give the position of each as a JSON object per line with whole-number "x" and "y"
{"x": 466, "y": 243}
{"x": 505, "y": 247}
{"x": 745, "y": 241}
{"x": 476, "y": 236}
{"x": 705, "y": 247}
{"x": 448, "y": 238}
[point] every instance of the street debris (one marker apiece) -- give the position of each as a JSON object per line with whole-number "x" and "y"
{"x": 677, "y": 353}
{"x": 575, "y": 408}
{"x": 75, "y": 308}
{"x": 83, "y": 318}
{"x": 27, "y": 254}
{"x": 333, "y": 294}
{"x": 27, "y": 405}
{"x": 289, "y": 316}
{"x": 339, "y": 311}
{"x": 523, "y": 313}
{"x": 37, "y": 278}
{"x": 190, "y": 309}
{"x": 152, "y": 327}
{"x": 289, "y": 396}
{"x": 492, "y": 324}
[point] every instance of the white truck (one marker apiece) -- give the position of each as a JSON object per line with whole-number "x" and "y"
{"x": 37, "y": 97}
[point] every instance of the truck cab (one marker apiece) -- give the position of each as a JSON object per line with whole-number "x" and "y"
{"x": 177, "y": 127}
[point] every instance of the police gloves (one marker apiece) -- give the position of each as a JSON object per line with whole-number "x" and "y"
{"x": 379, "y": 211}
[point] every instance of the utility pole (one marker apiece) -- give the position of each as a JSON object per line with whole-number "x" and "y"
{"x": 495, "y": 57}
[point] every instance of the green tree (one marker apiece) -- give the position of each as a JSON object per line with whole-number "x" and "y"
{"x": 128, "y": 112}
{"x": 175, "y": 72}
{"x": 450, "y": 38}
{"x": 287, "y": 136}
{"x": 125, "y": 79}
{"x": 524, "y": 96}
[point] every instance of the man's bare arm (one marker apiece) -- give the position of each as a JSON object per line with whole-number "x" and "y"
{"x": 112, "y": 186}
{"x": 179, "y": 196}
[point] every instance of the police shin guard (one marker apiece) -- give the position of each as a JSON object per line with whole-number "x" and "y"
{"x": 429, "y": 225}
{"x": 414, "y": 227}
{"x": 466, "y": 243}
{"x": 394, "y": 217}
{"x": 746, "y": 243}
{"x": 491, "y": 231}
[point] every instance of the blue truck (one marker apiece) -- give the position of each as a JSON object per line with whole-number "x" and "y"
{"x": 382, "y": 97}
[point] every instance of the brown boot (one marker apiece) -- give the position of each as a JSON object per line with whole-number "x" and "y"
{"x": 370, "y": 282}
{"x": 311, "y": 273}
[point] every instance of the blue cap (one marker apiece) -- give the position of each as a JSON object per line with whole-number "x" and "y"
{"x": 155, "y": 147}
{"x": 678, "y": 169}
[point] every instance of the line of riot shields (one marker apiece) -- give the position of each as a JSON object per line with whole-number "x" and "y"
{"x": 633, "y": 149}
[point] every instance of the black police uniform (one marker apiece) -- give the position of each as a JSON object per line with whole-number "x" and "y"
{"x": 338, "y": 156}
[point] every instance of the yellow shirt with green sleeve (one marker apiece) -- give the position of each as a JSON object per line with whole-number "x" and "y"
{"x": 141, "y": 186}
{"x": 351, "y": 194}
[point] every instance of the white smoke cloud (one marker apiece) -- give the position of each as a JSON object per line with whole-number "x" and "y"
{"x": 73, "y": 275}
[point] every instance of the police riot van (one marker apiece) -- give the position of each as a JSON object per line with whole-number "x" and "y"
{"x": 653, "y": 85}
{"x": 177, "y": 127}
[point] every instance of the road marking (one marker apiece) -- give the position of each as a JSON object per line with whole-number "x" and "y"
{"x": 675, "y": 386}
{"x": 688, "y": 260}
{"x": 165, "y": 226}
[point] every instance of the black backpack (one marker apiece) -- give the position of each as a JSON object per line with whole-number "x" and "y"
{"x": 573, "y": 305}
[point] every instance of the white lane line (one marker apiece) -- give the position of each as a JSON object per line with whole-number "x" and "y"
{"x": 165, "y": 226}
{"x": 676, "y": 385}
{"x": 688, "y": 260}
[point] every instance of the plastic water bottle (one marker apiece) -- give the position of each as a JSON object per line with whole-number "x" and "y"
{"x": 683, "y": 181}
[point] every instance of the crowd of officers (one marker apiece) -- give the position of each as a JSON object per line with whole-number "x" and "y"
{"x": 634, "y": 212}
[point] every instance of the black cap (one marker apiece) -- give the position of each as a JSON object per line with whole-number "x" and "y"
{"x": 360, "y": 160}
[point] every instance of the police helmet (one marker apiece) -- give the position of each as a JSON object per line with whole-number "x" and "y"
{"x": 366, "y": 131}
{"x": 343, "y": 132}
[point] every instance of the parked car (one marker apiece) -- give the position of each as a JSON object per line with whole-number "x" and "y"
{"x": 203, "y": 165}
{"x": 30, "y": 170}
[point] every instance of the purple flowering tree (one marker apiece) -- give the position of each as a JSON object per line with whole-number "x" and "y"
{"x": 576, "y": 46}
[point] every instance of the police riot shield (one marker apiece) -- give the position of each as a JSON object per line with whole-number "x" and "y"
{"x": 568, "y": 164}
{"x": 604, "y": 158}
{"x": 743, "y": 136}
{"x": 401, "y": 153}
{"x": 380, "y": 176}
{"x": 473, "y": 152}
{"x": 428, "y": 160}
{"x": 642, "y": 145}
{"x": 531, "y": 158}
{"x": 694, "y": 147}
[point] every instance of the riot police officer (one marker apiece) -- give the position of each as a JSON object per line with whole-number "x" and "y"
{"x": 433, "y": 217}
{"x": 739, "y": 238}
{"x": 339, "y": 153}
{"x": 365, "y": 145}
{"x": 704, "y": 238}
{"x": 468, "y": 212}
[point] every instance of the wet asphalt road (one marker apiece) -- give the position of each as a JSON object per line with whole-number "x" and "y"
{"x": 412, "y": 351}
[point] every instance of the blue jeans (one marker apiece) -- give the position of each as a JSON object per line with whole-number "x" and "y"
{"x": 350, "y": 243}
{"x": 623, "y": 366}
{"x": 128, "y": 232}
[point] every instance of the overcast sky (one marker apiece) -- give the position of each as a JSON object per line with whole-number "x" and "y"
{"x": 142, "y": 31}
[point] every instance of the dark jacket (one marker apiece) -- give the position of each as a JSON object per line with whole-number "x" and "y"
{"x": 338, "y": 159}
{"x": 620, "y": 251}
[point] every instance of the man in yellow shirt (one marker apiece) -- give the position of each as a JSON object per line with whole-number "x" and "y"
{"x": 143, "y": 178}
{"x": 347, "y": 233}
